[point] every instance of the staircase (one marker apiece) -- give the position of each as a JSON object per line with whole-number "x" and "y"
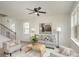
{"x": 6, "y": 32}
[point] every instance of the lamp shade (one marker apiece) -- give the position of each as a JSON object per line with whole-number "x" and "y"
{"x": 58, "y": 29}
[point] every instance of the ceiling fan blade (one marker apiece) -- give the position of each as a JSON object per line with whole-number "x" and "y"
{"x": 29, "y": 9}
{"x": 39, "y": 8}
{"x": 37, "y": 14}
{"x": 42, "y": 12}
{"x": 31, "y": 13}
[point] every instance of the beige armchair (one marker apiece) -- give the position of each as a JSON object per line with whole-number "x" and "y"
{"x": 11, "y": 46}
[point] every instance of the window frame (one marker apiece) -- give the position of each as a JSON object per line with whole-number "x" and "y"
{"x": 74, "y": 23}
{"x": 26, "y": 27}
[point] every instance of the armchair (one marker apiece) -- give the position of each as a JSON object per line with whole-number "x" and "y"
{"x": 11, "y": 46}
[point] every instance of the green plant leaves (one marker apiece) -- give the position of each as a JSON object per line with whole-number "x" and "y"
{"x": 34, "y": 39}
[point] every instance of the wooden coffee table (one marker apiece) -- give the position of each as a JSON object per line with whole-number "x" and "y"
{"x": 37, "y": 46}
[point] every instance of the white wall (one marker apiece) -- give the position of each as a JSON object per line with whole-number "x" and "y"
{"x": 56, "y": 20}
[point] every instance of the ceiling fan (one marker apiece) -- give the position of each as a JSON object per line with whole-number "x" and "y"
{"x": 36, "y": 11}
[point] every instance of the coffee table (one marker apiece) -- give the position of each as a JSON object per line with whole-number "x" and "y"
{"x": 37, "y": 46}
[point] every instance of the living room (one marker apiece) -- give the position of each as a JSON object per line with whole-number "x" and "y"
{"x": 48, "y": 24}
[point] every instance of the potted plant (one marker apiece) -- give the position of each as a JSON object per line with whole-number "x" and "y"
{"x": 34, "y": 39}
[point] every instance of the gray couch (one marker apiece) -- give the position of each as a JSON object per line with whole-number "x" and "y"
{"x": 48, "y": 40}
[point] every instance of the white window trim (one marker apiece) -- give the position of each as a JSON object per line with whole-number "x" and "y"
{"x": 13, "y": 28}
{"x": 24, "y": 29}
{"x": 76, "y": 41}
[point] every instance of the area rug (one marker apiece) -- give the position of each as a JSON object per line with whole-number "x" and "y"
{"x": 32, "y": 53}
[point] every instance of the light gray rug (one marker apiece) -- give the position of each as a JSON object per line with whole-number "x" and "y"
{"x": 31, "y": 53}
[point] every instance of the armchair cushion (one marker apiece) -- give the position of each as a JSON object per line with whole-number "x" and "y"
{"x": 13, "y": 49}
{"x": 12, "y": 44}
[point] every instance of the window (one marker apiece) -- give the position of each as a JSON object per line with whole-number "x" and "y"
{"x": 13, "y": 27}
{"x": 26, "y": 28}
{"x": 74, "y": 24}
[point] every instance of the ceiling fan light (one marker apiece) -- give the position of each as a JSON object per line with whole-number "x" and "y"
{"x": 36, "y": 13}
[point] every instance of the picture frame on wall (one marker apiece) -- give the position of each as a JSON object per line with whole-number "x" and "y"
{"x": 45, "y": 28}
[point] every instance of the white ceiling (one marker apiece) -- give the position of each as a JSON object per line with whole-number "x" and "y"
{"x": 18, "y": 9}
